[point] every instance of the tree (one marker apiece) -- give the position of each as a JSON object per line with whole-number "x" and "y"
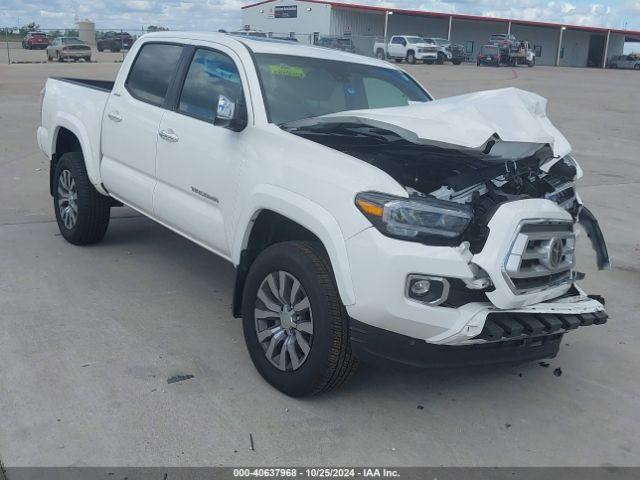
{"x": 156, "y": 28}
{"x": 31, "y": 27}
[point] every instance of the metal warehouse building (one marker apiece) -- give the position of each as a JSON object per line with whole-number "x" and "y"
{"x": 555, "y": 44}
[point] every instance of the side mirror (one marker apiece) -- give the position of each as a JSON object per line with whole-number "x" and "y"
{"x": 230, "y": 114}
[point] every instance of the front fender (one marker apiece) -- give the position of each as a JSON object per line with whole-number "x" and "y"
{"x": 308, "y": 214}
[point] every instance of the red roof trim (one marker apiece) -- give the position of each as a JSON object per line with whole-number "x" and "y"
{"x": 458, "y": 16}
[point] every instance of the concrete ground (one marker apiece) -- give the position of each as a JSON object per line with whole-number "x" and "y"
{"x": 89, "y": 336}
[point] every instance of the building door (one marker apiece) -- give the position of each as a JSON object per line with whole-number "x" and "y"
{"x": 596, "y": 50}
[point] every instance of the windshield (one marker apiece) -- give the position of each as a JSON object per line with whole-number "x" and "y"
{"x": 72, "y": 41}
{"x": 297, "y": 87}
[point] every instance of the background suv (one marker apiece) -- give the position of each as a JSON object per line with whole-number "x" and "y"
{"x": 35, "y": 40}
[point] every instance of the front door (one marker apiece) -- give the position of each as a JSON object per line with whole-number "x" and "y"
{"x": 197, "y": 160}
{"x": 130, "y": 125}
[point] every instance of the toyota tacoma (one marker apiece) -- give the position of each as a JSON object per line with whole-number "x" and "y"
{"x": 365, "y": 220}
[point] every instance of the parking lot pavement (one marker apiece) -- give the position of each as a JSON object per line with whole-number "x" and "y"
{"x": 89, "y": 336}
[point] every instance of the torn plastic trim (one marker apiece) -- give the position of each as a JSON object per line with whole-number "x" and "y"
{"x": 588, "y": 222}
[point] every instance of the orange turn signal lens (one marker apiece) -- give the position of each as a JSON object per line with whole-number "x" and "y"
{"x": 369, "y": 208}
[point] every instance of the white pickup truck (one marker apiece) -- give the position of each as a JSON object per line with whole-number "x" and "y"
{"x": 366, "y": 221}
{"x": 407, "y": 47}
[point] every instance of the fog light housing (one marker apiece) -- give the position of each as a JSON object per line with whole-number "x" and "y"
{"x": 427, "y": 289}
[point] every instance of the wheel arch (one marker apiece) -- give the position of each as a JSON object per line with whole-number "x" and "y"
{"x": 277, "y": 215}
{"x": 70, "y": 135}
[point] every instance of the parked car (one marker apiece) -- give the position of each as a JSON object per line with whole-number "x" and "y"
{"x": 406, "y": 47}
{"x": 72, "y": 48}
{"x": 365, "y": 220}
{"x": 625, "y": 61}
{"x": 114, "y": 42}
{"x": 337, "y": 43}
{"x": 446, "y": 50}
{"x": 489, "y": 55}
{"x": 35, "y": 40}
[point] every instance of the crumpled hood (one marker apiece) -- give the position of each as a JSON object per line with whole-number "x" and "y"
{"x": 469, "y": 120}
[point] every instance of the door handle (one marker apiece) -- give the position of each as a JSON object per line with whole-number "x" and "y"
{"x": 115, "y": 116}
{"x": 168, "y": 135}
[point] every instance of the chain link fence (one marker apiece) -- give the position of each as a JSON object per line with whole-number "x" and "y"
{"x": 47, "y": 44}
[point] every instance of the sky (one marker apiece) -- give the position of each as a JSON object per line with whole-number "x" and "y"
{"x": 214, "y": 14}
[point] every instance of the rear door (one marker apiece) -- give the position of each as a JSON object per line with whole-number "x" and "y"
{"x": 130, "y": 125}
{"x": 197, "y": 161}
{"x": 396, "y": 47}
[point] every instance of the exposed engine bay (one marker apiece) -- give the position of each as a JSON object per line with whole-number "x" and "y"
{"x": 482, "y": 178}
{"x": 476, "y": 177}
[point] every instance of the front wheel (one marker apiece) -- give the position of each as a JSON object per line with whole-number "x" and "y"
{"x": 295, "y": 326}
{"x": 82, "y": 212}
{"x": 411, "y": 58}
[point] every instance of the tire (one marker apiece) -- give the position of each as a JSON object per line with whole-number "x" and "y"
{"x": 59, "y": 57}
{"x": 531, "y": 63}
{"x": 380, "y": 54}
{"x": 398, "y": 60}
{"x": 92, "y": 208}
{"x": 440, "y": 60}
{"x": 411, "y": 58}
{"x": 429, "y": 62}
{"x": 329, "y": 361}
{"x": 456, "y": 62}
{"x": 636, "y": 66}
{"x": 87, "y": 59}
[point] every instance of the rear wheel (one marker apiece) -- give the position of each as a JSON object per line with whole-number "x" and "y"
{"x": 380, "y": 54}
{"x": 81, "y": 211}
{"x": 295, "y": 326}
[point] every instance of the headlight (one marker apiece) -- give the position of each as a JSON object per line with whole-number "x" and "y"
{"x": 414, "y": 218}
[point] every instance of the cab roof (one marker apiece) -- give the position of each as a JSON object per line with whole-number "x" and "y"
{"x": 270, "y": 45}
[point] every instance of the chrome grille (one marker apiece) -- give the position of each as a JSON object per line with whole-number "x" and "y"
{"x": 541, "y": 256}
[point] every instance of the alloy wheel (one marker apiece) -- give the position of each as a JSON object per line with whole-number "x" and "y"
{"x": 283, "y": 321}
{"x": 67, "y": 199}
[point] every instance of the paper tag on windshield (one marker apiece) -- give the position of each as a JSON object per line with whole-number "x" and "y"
{"x": 287, "y": 71}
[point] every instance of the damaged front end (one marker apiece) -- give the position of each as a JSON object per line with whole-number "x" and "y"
{"x": 454, "y": 192}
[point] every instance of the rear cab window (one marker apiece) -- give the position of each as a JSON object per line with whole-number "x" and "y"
{"x": 152, "y": 72}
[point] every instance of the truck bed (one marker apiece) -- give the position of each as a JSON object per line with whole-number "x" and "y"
{"x": 76, "y": 104}
{"x": 104, "y": 85}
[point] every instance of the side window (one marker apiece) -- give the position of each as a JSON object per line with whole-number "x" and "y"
{"x": 396, "y": 40}
{"x": 210, "y": 75}
{"x": 381, "y": 94}
{"x": 152, "y": 71}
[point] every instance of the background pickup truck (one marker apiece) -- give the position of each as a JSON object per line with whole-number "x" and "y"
{"x": 366, "y": 221}
{"x": 406, "y": 47}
